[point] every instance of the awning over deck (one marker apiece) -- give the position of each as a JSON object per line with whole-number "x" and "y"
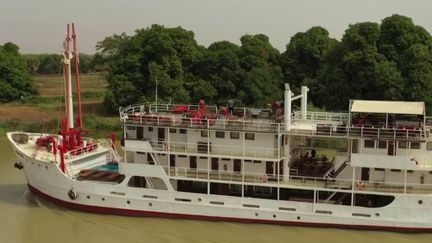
{"x": 388, "y": 107}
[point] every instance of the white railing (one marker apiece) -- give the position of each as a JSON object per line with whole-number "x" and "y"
{"x": 92, "y": 147}
{"x": 239, "y": 123}
{"x": 202, "y": 149}
{"x": 303, "y": 181}
{"x": 316, "y": 116}
{"x": 363, "y": 132}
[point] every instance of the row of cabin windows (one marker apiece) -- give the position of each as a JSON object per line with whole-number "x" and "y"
{"x": 380, "y": 144}
{"x": 233, "y": 135}
{"x": 218, "y": 134}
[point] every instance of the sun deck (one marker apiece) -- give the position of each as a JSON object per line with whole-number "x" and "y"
{"x": 325, "y": 124}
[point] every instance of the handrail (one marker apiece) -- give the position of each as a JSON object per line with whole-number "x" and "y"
{"x": 305, "y": 181}
{"x": 215, "y": 149}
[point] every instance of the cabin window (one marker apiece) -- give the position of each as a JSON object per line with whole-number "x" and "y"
{"x": 379, "y": 169}
{"x": 137, "y": 181}
{"x": 150, "y": 129}
{"x": 415, "y": 145}
{"x": 150, "y": 159}
{"x": 220, "y": 134}
{"x": 250, "y": 136}
{"x": 204, "y": 134}
{"x": 234, "y": 135}
{"x": 183, "y": 131}
{"x": 173, "y": 130}
{"x": 429, "y": 146}
{"x": 382, "y": 144}
{"x": 369, "y": 144}
{"x": 402, "y": 144}
{"x": 131, "y": 128}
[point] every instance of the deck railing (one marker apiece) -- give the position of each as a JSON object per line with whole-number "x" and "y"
{"x": 363, "y": 132}
{"x": 321, "y": 123}
{"x": 202, "y": 149}
{"x": 302, "y": 181}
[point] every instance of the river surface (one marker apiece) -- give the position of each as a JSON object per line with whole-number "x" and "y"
{"x": 27, "y": 218}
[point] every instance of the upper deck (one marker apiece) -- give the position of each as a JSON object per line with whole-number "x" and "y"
{"x": 324, "y": 124}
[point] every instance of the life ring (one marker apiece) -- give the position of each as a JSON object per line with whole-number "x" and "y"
{"x": 72, "y": 194}
{"x": 360, "y": 185}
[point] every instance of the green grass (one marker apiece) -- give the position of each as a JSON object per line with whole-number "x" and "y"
{"x": 51, "y": 99}
{"x": 97, "y": 127}
{"x": 52, "y": 85}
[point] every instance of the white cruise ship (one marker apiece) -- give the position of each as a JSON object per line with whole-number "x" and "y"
{"x": 369, "y": 168}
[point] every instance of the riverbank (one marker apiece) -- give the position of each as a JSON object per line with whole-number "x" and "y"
{"x": 43, "y": 113}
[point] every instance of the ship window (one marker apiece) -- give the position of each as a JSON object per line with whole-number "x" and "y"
{"x": 183, "y": 131}
{"x": 415, "y": 145}
{"x": 234, "y": 135}
{"x": 402, "y": 144}
{"x": 382, "y": 144}
{"x": 173, "y": 130}
{"x": 204, "y": 134}
{"x": 137, "y": 181}
{"x": 250, "y": 136}
{"x": 369, "y": 144}
{"x": 131, "y": 128}
{"x": 220, "y": 134}
{"x": 429, "y": 146}
{"x": 150, "y": 129}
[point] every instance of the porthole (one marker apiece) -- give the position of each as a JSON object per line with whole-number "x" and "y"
{"x": 274, "y": 215}
{"x": 46, "y": 167}
{"x": 199, "y": 199}
{"x": 103, "y": 199}
{"x": 256, "y": 214}
{"x": 420, "y": 202}
{"x": 377, "y": 214}
{"x": 150, "y": 204}
{"x": 128, "y": 202}
{"x": 298, "y": 217}
{"x": 88, "y": 197}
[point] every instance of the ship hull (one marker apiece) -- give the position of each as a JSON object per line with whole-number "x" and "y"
{"x": 47, "y": 181}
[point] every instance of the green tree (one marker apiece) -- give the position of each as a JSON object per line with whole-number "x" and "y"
{"x": 416, "y": 67}
{"x": 398, "y": 33}
{"x": 50, "y": 64}
{"x": 15, "y": 80}
{"x": 166, "y": 56}
{"x": 304, "y": 58}
{"x": 356, "y": 70}
{"x": 220, "y": 68}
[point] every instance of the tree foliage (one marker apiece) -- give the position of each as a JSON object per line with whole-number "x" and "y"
{"x": 391, "y": 60}
{"x": 15, "y": 81}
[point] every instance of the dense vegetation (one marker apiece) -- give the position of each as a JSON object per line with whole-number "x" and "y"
{"x": 52, "y": 63}
{"x": 391, "y": 60}
{"x": 15, "y": 81}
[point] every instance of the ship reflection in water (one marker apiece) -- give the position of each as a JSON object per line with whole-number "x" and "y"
{"x": 26, "y": 218}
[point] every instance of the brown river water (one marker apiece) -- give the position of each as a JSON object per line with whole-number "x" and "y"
{"x": 27, "y": 218}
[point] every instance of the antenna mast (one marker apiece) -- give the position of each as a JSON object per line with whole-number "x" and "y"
{"x": 76, "y": 73}
{"x": 66, "y": 59}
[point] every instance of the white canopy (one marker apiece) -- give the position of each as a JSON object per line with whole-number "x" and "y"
{"x": 389, "y": 107}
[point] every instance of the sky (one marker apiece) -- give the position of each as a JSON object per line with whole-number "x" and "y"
{"x": 38, "y": 26}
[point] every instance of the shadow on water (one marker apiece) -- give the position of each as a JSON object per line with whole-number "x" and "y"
{"x": 17, "y": 194}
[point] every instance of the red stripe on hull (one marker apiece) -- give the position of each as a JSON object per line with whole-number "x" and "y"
{"x": 133, "y": 212}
